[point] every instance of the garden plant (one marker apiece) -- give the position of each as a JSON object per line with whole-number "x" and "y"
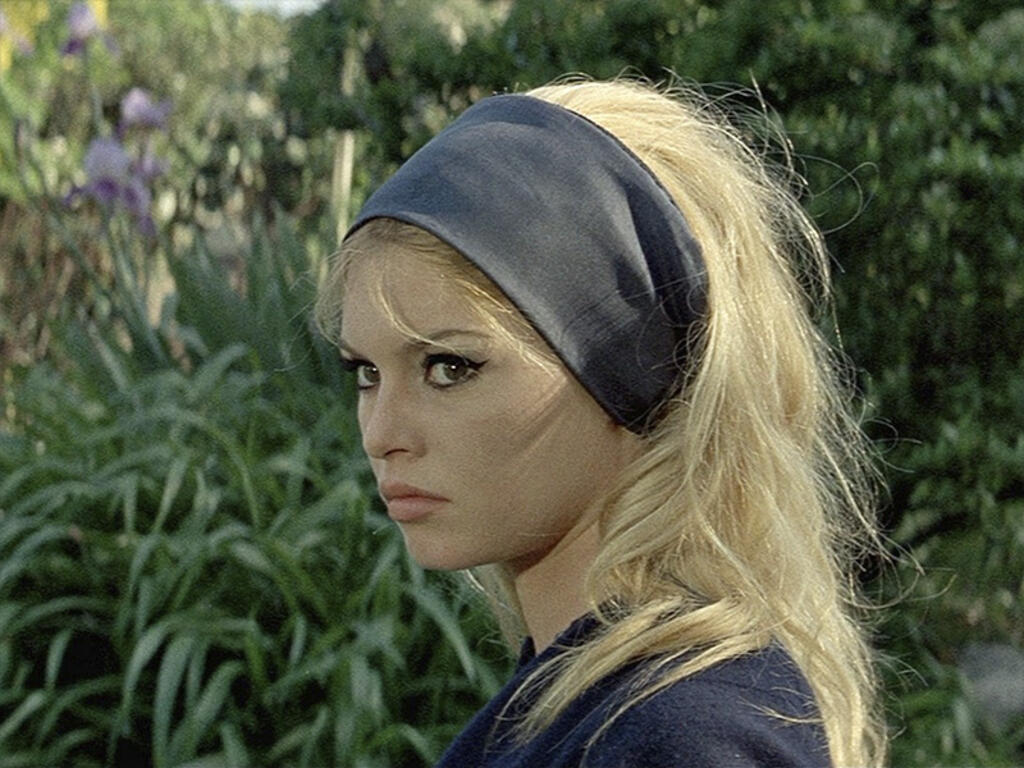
{"x": 194, "y": 568}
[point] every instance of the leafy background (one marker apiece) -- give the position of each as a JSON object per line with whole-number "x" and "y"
{"x": 193, "y": 567}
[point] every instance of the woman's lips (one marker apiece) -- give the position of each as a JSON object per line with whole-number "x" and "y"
{"x": 407, "y": 503}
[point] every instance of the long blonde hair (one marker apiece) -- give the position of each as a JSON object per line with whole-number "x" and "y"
{"x": 743, "y": 521}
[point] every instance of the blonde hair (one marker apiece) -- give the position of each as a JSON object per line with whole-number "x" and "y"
{"x": 743, "y": 521}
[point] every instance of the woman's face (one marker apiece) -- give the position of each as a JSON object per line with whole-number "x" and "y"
{"x": 483, "y": 454}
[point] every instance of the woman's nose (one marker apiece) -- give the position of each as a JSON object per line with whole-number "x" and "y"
{"x": 387, "y": 423}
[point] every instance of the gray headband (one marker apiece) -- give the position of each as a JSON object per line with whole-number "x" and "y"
{"x": 575, "y": 230}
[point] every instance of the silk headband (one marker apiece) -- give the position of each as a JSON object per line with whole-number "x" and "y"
{"x": 575, "y": 230}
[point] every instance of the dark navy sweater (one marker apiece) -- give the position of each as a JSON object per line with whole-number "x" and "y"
{"x": 717, "y": 718}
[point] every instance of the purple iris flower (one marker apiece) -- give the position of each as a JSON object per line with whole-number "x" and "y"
{"x": 82, "y": 25}
{"x": 136, "y": 198}
{"x": 82, "y": 22}
{"x": 107, "y": 170}
{"x": 148, "y": 166}
{"x": 139, "y": 109}
{"x": 114, "y": 178}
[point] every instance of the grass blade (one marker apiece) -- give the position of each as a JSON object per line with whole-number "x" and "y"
{"x": 172, "y": 669}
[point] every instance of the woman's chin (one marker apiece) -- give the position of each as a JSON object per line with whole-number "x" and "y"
{"x": 434, "y": 556}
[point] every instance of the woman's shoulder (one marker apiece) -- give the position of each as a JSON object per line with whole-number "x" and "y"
{"x": 752, "y": 710}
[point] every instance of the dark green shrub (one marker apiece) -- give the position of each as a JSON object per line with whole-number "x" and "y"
{"x": 175, "y": 578}
{"x": 193, "y": 561}
{"x": 904, "y": 118}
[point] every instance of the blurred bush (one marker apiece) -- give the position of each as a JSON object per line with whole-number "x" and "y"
{"x": 192, "y": 562}
{"x": 904, "y": 119}
{"x": 225, "y": 155}
{"x": 194, "y": 568}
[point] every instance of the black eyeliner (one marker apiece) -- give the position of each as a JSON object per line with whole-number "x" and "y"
{"x": 351, "y": 363}
{"x": 448, "y": 357}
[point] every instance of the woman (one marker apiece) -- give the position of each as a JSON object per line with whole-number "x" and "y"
{"x": 587, "y": 372}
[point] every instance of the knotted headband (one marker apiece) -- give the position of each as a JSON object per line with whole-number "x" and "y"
{"x": 575, "y": 230}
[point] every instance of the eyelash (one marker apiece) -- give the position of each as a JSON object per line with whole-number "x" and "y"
{"x": 472, "y": 367}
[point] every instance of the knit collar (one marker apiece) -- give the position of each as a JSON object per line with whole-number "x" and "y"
{"x": 578, "y": 632}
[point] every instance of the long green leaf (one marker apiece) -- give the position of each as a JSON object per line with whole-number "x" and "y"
{"x": 54, "y": 496}
{"x": 57, "y": 751}
{"x": 145, "y": 549}
{"x": 314, "y": 742}
{"x": 145, "y": 648}
{"x": 31, "y": 704}
{"x": 55, "y": 656}
{"x": 9, "y": 485}
{"x": 172, "y": 485}
{"x": 209, "y": 374}
{"x": 429, "y": 602}
{"x": 196, "y": 672}
{"x": 295, "y": 739}
{"x": 11, "y": 528}
{"x": 84, "y": 604}
{"x": 102, "y": 687}
{"x": 299, "y": 636}
{"x": 201, "y": 718}
{"x": 172, "y": 668}
{"x": 234, "y": 745}
{"x": 22, "y": 557}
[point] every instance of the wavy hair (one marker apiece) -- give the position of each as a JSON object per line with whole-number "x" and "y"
{"x": 744, "y": 521}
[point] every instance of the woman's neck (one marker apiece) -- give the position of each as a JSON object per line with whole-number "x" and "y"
{"x": 550, "y": 591}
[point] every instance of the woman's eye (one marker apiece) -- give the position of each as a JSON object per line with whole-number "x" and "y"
{"x": 448, "y": 370}
{"x": 367, "y": 375}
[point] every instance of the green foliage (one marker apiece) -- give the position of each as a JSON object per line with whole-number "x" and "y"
{"x": 192, "y": 563}
{"x": 227, "y": 151}
{"x": 904, "y": 119}
{"x": 194, "y": 566}
{"x": 930, "y": 302}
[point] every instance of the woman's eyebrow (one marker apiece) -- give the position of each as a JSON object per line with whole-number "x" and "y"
{"x": 425, "y": 341}
{"x": 347, "y": 349}
{"x": 444, "y": 334}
